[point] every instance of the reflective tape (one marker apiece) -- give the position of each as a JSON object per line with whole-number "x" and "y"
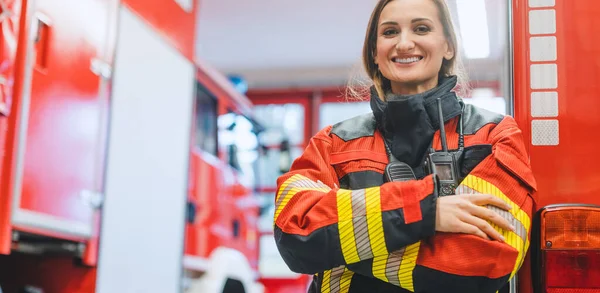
{"x": 541, "y": 3}
{"x": 544, "y": 104}
{"x": 544, "y": 132}
{"x": 542, "y": 48}
{"x": 336, "y": 280}
{"x": 544, "y": 76}
{"x": 542, "y": 22}
{"x": 360, "y": 224}
{"x": 517, "y": 217}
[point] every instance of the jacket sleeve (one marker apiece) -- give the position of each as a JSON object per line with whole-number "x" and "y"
{"x": 319, "y": 226}
{"x": 449, "y": 262}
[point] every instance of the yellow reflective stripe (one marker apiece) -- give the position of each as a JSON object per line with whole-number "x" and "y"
{"x": 284, "y": 202}
{"x": 380, "y": 267}
{"x": 520, "y": 244}
{"x": 346, "y": 226}
{"x": 346, "y": 280}
{"x": 325, "y": 283}
{"x": 407, "y": 266}
{"x": 291, "y": 187}
{"x": 374, "y": 221}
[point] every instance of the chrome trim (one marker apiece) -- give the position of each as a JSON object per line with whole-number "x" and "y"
{"x": 511, "y": 92}
{"x": 512, "y": 285}
{"x": 510, "y": 62}
{"x": 24, "y": 111}
{"x": 51, "y": 223}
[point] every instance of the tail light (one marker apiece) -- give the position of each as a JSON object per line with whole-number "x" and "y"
{"x": 569, "y": 252}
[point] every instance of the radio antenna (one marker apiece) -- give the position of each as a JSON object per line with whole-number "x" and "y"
{"x": 442, "y": 129}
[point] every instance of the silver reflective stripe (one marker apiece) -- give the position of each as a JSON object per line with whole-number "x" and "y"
{"x": 336, "y": 277}
{"x": 303, "y": 183}
{"x": 393, "y": 265}
{"x": 519, "y": 228}
{"x": 361, "y": 231}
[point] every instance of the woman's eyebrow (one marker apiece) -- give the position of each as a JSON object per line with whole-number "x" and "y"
{"x": 391, "y": 22}
{"x": 421, "y": 19}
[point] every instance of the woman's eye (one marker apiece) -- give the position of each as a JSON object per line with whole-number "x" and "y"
{"x": 422, "y": 29}
{"x": 389, "y": 32}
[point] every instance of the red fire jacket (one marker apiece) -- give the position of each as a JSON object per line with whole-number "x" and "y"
{"x": 337, "y": 220}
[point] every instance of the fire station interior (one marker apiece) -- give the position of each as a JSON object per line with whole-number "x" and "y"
{"x": 141, "y": 141}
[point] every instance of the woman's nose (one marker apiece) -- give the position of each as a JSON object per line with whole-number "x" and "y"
{"x": 405, "y": 43}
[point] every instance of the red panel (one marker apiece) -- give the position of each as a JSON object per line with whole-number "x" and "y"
{"x": 568, "y": 172}
{"x": 206, "y": 186}
{"x": 297, "y": 285}
{"x": 565, "y": 173}
{"x": 8, "y": 131}
{"x": 173, "y": 22}
{"x": 65, "y": 145}
{"x": 218, "y": 206}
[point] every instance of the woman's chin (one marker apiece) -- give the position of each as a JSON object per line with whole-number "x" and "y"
{"x": 412, "y": 85}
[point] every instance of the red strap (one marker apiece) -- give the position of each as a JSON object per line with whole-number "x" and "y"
{"x": 412, "y": 205}
{"x": 342, "y": 157}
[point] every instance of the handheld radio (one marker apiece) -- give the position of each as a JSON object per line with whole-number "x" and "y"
{"x": 444, "y": 163}
{"x": 397, "y": 171}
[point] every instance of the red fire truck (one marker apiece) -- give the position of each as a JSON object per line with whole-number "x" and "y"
{"x": 127, "y": 164}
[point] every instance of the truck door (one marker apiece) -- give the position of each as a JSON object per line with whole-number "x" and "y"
{"x": 143, "y": 217}
{"x": 63, "y": 118}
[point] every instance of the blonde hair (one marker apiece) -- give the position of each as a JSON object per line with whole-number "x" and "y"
{"x": 358, "y": 88}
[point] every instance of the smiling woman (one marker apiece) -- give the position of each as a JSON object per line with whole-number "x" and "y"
{"x": 411, "y": 46}
{"x": 422, "y": 30}
{"x": 343, "y": 214}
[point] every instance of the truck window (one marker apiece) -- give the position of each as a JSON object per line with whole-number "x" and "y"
{"x": 238, "y": 139}
{"x": 206, "y": 120}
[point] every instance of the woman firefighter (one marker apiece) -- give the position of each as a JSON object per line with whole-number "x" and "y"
{"x": 392, "y": 202}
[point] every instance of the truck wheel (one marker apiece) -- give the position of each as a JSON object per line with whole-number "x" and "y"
{"x": 233, "y": 286}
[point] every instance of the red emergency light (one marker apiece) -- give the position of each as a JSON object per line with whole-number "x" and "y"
{"x": 569, "y": 251}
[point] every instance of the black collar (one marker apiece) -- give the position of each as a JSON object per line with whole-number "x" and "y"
{"x": 408, "y": 122}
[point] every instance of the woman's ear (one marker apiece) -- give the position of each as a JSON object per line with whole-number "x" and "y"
{"x": 449, "y": 51}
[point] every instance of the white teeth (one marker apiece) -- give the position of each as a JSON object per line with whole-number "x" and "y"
{"x": 407, "y": 60}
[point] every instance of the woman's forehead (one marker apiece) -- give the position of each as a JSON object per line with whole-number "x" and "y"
{"x": 408, "y": 10}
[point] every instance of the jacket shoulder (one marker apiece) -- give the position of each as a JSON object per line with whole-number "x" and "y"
{"x": 476, "y": 118}
{"x": 356, "y": 127}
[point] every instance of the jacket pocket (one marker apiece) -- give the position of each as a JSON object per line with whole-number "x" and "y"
{"x": 517, "y": 165}
{"x": 358, "y": 169}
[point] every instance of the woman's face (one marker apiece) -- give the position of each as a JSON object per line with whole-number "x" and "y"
{"x": 411, "y": 45}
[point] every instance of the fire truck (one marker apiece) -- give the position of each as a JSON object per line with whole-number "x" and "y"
{"x": 130, "y": 165}
{"x": 127, "y": 163}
